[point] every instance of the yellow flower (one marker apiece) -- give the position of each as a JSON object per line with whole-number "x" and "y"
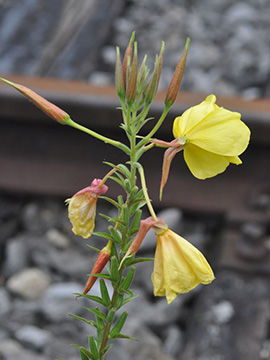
{"x": 215, "y": 137}
{"x": 82, "y": 208}
{"x": 178, "y": 266}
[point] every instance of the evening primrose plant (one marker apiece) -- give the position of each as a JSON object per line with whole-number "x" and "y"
{"x": 210, "y": 137}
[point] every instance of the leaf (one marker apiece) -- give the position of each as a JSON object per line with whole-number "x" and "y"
{"x": 104, "y": 293}
{"x": 93, "y": 248}
{"x": 105, "y": 350}
{"x": 84, "y": 351}
{"x": 93, "y": 298}
{"x": 141, "y": 259}
{"x": 113, "y": 202}
{"x": 102, "y": 234}
{"x": 118, "y": 326}
{"x": 83, "y": 356}
{"x": 97, "y": 312}
{"x": 128, "y": 280}
{"x": 115, "y": 235}
{"x": 93, "y": 346}
{"x": 123, "y": 336}
{"x": 114, "y": 268}
{"x": 89, "y": 322}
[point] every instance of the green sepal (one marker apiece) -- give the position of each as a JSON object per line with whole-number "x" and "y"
{"x": 128, "y": 279}
{"x": 118, "y": 326}
{"x": 97, "y": 312}
{"x": 89, "y": 322}
{"x": 115, "y": 235}
{"x": 93, "y": 346}
{"x": 104, "y": 293}
{"x": 114, "y": 268}
{"x": 141, "y": 259}
{"x": 113, "y": 202}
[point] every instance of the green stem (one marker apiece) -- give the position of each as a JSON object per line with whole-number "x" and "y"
{"x": 107, "y": 140}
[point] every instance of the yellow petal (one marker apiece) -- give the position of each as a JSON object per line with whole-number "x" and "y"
{"x": 82, "y": 212}
{"x": 204, "y": 164}
{"x": 191, "y": 117}
{"x": 221, "y": 132}
{"x": 178, "y": 267}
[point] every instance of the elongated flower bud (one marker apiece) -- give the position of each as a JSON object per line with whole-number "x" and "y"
{"x": 132, "y": 80}
{"x": 128, "y": 55}
{"x": 174, "y": 86}
{"x": 82, "y": 208}
{"x": 119, "y": 80}
{"x": 102, "y": 259}
{"x": 50, "y": 109}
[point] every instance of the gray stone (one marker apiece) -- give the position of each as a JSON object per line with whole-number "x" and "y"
{"x": 16, "y": 255}
{"x": 12, "y": 350}
{"x": 58, "y": 239}
{"x": 5, "y": 301}
{"x": 223, "y": 312}
{"x": 60, "y": 300}
{"x": 241, "y": 12}
{"x": 33, "y": 336}
{"x": 29, "y": 284}
{"x": 174, "y": 341}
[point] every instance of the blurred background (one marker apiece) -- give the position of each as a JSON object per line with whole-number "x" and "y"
{"x": 65, "y": 50}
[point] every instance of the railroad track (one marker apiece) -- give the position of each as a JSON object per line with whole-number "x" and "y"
{"x": 38, "y": 156}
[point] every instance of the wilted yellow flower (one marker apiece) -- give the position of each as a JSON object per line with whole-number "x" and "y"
{"x": 178, "y": 266}
{"x": 82, "y": 208}
{"x": 214, "y": 136}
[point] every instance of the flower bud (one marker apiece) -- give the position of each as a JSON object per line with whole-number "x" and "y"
{"x": 82, "y": 208}
{"x": 50, "y": 109}
{"x": 177, "y": 78}
{"x": 128, "y": 55}
{"x": 132, "y": 79}
{"x": 102, "y": 259}
{"x": 119, "y": 80}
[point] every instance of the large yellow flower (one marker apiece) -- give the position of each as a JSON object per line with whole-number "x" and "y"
{"x": 215, "y": 137}
{"x": 178, "y": 266}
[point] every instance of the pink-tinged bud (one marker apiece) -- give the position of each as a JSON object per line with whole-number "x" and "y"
{"x": 128, "y": 55}
{"x": 174, "y": 86}
{"x": 50, "y": 109}
{"x": 132, "y": 80}
{"x": 174, "y": 147}
{"x": 102, "y": 259}
{"x": 82, "y": 208}
{"x": 119, "y": 80}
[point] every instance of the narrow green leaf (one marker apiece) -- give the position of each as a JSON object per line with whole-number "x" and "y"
{"x": 111, "y": 315}
{"x": 128, "y": 280}
{"x": 93, "y": 248}
{"x": 102, "y": 234}
{"x": 113, "y": 202}
{"x": 123, "y": 336}
{"x": 104, "y": 293}
{"x": 89, "y": 322}
{"x": 124, "y": 169}
{"x": 115, "y": 235}
{"x": 93, "y": 298}
{"x": 127, "y": 185}
{"x": 105, "y": 350}
{"x": 100, "y": 324}
{"x": 114, "y": 268}
{"x": 97, "y": 312}
{"x": 120, "y": 200}
{"x": 137, "y": 206}
{"x": 84, "y": 351}
{"x": 141, "y": 259}
{"x": 125, "y": 214}
{"x": 83, "y": 356}
{"x": 118, "y": 181}
{"x": 118, "y": 326}
{"x": 93, "y": 346}
{"x": 129, "y": 298}
{"x": 119, "y": 301}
